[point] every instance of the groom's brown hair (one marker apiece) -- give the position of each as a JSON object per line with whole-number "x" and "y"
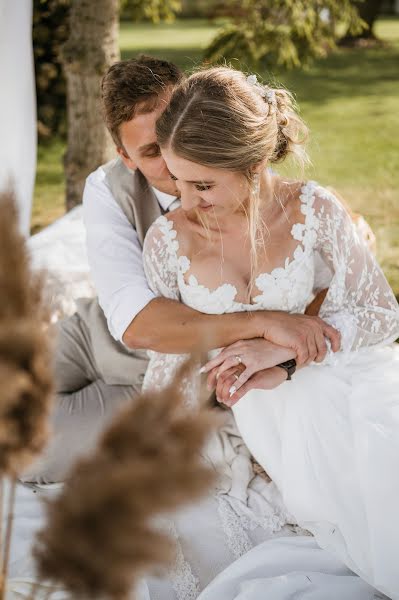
{"x": 132, "y": 87}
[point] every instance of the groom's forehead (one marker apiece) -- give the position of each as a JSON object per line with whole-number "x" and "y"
{"x": 140, "y": 131}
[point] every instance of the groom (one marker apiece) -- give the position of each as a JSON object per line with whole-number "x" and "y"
{"x": 101, "y": 354}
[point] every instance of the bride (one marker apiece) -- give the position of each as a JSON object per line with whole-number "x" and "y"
{"x": 246, "y": 239}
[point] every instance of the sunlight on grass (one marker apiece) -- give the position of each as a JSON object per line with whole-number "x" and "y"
{"x": 48, "y": 203}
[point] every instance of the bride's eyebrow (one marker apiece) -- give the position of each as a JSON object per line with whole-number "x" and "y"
{"x": 201, "y": 182}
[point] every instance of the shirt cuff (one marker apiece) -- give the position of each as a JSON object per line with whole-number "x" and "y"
{"x": 125, "y": 310}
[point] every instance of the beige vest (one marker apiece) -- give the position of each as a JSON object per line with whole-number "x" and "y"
{"x": 115, "y": 362}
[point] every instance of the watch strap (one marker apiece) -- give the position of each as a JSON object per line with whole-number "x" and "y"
{"x": 289, "y": 366}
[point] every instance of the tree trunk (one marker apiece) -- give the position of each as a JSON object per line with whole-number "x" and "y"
{"x": 92, "y": 46}
{"x": 368, "y": 10}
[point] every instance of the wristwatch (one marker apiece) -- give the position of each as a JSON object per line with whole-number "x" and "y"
{"x": 289, "y": 366}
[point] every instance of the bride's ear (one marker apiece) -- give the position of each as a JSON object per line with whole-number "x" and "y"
{"x": 129, "y": 163}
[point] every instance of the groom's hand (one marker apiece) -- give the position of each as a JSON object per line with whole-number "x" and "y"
{"x": 305, "y": 335}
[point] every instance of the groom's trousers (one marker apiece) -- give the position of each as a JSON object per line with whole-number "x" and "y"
{"x": 84, "y": 404}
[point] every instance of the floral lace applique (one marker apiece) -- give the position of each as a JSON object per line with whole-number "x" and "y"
{"x": 184, "y": 582}
{"x": 359, "y": 301}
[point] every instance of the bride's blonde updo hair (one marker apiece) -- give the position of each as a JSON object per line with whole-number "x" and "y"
{"x": 219, "y": 117}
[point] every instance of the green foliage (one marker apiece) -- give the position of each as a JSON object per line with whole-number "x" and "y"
{"x": 283, "y": 33}
{"x": 203, "y": 9}
{"x": 50, "y": 30}
{"x": 150, "y": 10}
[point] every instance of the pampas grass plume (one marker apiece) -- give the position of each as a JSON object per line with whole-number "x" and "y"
{"x": 102, "y": 535}
{"x": 26, "y": 379}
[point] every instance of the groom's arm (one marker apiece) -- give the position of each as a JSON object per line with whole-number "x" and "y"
{"x": 171, "y": 327}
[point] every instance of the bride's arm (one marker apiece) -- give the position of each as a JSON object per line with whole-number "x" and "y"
{"x": 359, "y": 301}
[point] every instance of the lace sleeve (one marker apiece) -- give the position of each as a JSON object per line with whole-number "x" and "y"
{"x": 359, "y": 302}
{"x": 160, "y": 259}
{"x": 161, "y": 267}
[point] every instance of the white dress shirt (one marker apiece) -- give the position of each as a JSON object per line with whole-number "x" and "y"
{"x": 115, "y": 253}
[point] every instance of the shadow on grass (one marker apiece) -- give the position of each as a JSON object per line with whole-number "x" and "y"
{"x": 345, "y": 73}
{"x": 185, "y": 58}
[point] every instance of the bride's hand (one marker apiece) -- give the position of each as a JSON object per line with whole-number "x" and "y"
{"x": 254, "y": 355}
{"x": 267, "y": 379}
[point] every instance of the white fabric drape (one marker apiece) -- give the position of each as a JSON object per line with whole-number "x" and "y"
{"x": 17, "y": 105}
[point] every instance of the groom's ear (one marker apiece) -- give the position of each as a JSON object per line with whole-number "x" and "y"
{"x": 126, "y": 159}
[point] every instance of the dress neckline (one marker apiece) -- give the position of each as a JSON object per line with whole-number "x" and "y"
{"x": 304, "y": 233}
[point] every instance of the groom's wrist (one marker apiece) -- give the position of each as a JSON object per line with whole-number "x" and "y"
{"x": 258, "y": 323}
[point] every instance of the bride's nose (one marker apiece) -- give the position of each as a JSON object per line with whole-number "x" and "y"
{"x": 189, "y": 197}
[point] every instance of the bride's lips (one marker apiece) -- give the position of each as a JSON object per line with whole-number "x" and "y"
{"x": 205, "y": 206}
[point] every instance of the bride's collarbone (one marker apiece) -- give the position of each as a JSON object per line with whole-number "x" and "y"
{"x": 219, "y": 257}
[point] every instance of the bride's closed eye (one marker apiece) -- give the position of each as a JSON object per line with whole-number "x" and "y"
{"x": 202, "y": 188}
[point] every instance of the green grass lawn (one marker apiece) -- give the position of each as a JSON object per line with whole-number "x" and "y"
{"x": 350, "y": 102}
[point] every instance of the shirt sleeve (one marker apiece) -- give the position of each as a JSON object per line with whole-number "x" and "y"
{"x": 359, "y": 301}
{"x": 114, "y": 255}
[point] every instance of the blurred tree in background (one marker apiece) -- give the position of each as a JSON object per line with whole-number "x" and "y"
{"x": 50, "y": 30}
{"x": 284, "y": 33}
{"x": 368, "y": 11}
{"x": 91, "y": 48}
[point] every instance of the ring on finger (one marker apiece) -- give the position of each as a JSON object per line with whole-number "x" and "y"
{"x": 238, "y": 359}
{"x": 236, "y": 376}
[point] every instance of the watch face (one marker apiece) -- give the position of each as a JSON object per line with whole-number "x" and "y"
{"x": 289, "y": 364}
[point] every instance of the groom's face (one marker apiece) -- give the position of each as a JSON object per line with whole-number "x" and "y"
{"x": 141, "y": 151}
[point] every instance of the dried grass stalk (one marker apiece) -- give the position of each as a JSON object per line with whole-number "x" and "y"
{"x": 101, "y": 535}
{"x": 26, "y": 381}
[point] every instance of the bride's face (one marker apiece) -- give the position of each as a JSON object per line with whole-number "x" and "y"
{"x": 215, "y": 191}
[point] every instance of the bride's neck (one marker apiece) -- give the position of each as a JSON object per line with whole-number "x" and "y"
{"x": 267, "y": 185}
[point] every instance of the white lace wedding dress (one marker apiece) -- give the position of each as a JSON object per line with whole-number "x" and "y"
{"x": 329, "y": 439}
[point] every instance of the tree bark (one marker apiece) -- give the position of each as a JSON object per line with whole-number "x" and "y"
{"x": 92, "y": 46}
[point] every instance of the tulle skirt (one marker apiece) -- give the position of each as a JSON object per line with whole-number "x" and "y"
{"x": 330, "y": 441}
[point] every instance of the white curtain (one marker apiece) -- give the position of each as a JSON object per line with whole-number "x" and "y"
{"x": 17, "y": 105}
